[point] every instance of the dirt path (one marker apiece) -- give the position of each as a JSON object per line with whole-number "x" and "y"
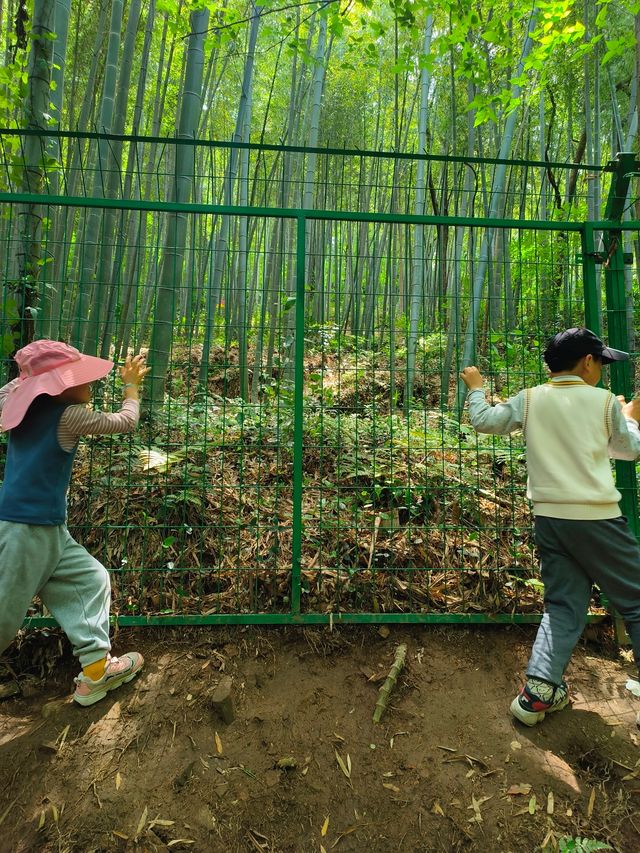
{"x": 152, "y": 767}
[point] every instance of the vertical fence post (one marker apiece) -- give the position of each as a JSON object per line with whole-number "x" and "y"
{"x": 298, "y": 414}
{"x": 617, "y": 331}
{"x": 589, "y": 279}
{"x": 616, "y": 308}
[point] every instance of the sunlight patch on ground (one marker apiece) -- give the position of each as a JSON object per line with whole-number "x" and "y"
{"x": 557, "y": 767}
{"x": 12, "y": 728}
{"x": 108, "y": 729}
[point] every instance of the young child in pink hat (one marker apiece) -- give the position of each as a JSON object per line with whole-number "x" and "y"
{"x": 44, "y": 412}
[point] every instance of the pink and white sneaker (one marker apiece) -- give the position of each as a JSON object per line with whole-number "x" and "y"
{"x": 117, "y": 672}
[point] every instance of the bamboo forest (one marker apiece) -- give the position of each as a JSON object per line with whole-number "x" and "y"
{"x": 318, "y": 426}
{"x": 310, "y": 218}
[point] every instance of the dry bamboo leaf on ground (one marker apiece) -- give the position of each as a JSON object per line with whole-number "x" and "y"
{"x": 592, "y": 801}
{"x": 141, "y": 823}
{"x": 158, "y": 821}
{"x": 550, "y": 838}
{"x": 515, "y": 790}
{"x": 475, "y": 805}
{"x": 468, "y": 758}
{"x": 4, "y": 814}
{"x": 63, "y": 736}
{"x": 346, "y": 768}
{"x": 259, "y": 841}
{"x": 325, "y": 827}
{"x": 348, "y": 831}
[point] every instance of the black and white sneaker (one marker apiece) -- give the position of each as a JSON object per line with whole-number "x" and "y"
{"x": 538, "y": 698}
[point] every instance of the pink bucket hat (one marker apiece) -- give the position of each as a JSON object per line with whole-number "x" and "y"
{"x": 48, "y": 367}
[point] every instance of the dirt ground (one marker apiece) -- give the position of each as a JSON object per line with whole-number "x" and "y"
{"x": 303, "y": 767}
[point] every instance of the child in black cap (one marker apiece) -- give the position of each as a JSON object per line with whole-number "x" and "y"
{"x": 571, "y": 429}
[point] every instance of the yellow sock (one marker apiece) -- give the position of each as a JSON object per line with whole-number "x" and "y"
{"x": 95, "y": 670}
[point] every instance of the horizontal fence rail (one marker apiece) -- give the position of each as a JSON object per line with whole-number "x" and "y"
{"x": 157, "y": 169}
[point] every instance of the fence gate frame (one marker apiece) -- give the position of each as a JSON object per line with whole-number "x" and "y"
{"x": 610, "y": 256}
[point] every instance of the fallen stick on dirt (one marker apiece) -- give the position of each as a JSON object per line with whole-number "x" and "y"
{"x": 483, "y": 493}
{"x": 387, "y": 687}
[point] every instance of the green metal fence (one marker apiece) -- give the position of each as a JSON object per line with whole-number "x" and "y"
{"x": 301, "y": 457}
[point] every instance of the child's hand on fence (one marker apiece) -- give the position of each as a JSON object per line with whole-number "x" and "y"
{"x": 133, "y": 372}
{"x": 632, "y": 409}
{"x": 472, "y": 378}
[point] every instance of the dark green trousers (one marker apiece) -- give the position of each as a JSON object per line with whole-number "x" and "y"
{"x": 573, "y": 556}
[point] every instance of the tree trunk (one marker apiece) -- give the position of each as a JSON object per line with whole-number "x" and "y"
{"x": 21, "y": 300}
{"x": 130, "y": 221}
{"x": 107, "y": 286}
{"x": 417, "y": 268}
{"x": 223, "y": 235}
{"x": 66, "y": 216}
{"x": 173, "y": 252}
{"x": 95, "y": 214}
{"x": 496, "y": 206}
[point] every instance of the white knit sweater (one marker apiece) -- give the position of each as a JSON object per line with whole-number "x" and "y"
{"x": 571, "y": 429}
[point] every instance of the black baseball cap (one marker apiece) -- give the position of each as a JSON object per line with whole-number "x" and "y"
{"x": 566, "y": 348}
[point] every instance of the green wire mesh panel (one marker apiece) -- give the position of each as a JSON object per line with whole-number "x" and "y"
{"x": 303, "y": 454}
{"x": 202, "y": 491}
{"x": 407, "y": 509}
{"x": 195, "y": 510}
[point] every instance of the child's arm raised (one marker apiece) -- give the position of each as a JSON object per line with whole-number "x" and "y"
{"x": 496, "y": 420}
{"x": 132, "y": 373}
{"x": 78, "y": 420}
{"x": 625, "y": 435}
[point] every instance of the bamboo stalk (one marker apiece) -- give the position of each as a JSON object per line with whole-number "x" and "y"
{"x": 387, "y": 687}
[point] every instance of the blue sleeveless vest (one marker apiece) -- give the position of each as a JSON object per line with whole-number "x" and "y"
{"x": 37, "y": 470}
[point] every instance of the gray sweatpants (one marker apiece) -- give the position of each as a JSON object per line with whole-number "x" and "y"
{"x": 45, "y": 560}
{"x": 573, "y": 556}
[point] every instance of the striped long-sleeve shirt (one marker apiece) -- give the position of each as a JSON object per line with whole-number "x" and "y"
{"x": 78, "y": 420}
